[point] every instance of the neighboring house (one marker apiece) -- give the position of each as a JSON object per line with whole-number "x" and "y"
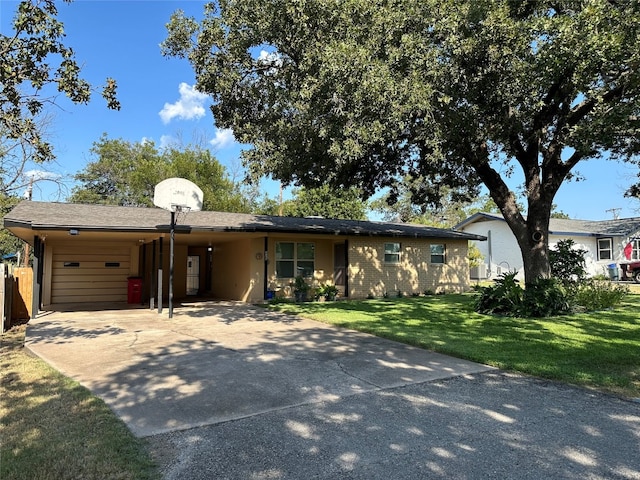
{"x": 607, "y": 242}
{"x": 87, "y": 253}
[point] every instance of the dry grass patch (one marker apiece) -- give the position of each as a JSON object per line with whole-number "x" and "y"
{"x": 53, "y": 428}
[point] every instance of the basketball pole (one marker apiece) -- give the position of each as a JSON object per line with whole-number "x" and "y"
{"x": 173, "y": 230}
{"x": 176, "y": 195}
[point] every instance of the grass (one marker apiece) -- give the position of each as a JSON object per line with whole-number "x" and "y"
{"x": 598, "y": 349}
{"x": 53, "y": 428}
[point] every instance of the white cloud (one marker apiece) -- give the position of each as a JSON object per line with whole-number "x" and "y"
{"x": 223, "y": 138}
{"x": 36, "y": 175}
{"x": 189, "y": 107}
{"x": 167, "y": 141}
{"x": 270, "y": 58}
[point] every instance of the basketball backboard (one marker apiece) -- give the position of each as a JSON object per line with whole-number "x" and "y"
{"x": 178, "y": 194}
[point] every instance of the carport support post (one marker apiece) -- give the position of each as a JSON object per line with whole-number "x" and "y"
{"x": 173, "y": 232}
{"x": 266, "y": 267}
{"x": 152, "y": 283}
{"x": 160, "y": 279}
{"x": 38, "y": 248}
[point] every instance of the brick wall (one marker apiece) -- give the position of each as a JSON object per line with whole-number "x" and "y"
{"x": 414, "y": 273}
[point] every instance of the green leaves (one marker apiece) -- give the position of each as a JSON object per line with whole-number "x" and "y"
{"x": 126, "y": 173}
{"x": 444, "y": 92}
{"x": 33, "y": 58}
{"x": 326, "y": 202}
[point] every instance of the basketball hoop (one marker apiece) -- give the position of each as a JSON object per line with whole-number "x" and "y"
{"x": 180, "y": 209}
{"x": 178, "y": 196}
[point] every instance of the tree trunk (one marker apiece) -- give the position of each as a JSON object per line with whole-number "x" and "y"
{"x": 535, "y": 258}
{"x": 532, "y": 235}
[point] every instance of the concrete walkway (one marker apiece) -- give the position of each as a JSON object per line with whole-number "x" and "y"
{"x": 229, "y": 391}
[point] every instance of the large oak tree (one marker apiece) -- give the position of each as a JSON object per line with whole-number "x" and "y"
{"x": 446, "y": 92}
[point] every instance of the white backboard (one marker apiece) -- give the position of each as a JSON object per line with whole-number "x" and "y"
{"x": 176, "y": 194}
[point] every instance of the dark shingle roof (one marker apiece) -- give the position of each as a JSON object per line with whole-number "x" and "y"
{"x": 58, "y": 216}
{"x": 559, "y": 226}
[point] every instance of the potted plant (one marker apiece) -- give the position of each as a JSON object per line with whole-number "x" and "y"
{"x": 300, "y": 289}
{"x": 318, "y": 293}
{"x": 330, "y": 292}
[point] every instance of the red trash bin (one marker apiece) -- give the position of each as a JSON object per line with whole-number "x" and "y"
{"x": 134, "y": 290}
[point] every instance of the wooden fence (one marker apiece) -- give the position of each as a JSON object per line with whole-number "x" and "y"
{"x": 16, "y": 294}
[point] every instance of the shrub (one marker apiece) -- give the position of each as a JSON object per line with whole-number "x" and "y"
{"x": 594, "y": 295}
{"x": 504, "y": 297}
{"x": 545, "y": 297}
{"x": 326, "y": 290}
{"x": 567, "y": 262}
{"x": 474, "y": 255}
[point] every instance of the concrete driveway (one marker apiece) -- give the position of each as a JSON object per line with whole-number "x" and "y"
{"x": 219, "y": 361}
{"x": 230, "y": 391}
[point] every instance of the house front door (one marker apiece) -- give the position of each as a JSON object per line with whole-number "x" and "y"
{"x": 193, "y": 274}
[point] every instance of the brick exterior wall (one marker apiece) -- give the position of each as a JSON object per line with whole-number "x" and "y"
{"x": 414, "y": 273}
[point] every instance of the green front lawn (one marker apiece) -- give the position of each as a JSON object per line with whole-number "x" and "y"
{"x": 600, "y": 349}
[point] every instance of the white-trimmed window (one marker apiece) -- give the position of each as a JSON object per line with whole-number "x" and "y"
{"x": 438, "y": 253}
{"x": 605, "y": 249}
{"x": 392, "y": 252}
{"x": 295, "y": 258}
{"x": 635, "y": 254}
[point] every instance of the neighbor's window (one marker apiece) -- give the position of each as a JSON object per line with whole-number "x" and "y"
{"x": 293, "y": 259}
{"x": 391, "y": 253}
{"x": 437, "y": 253}
{"x": 635, "y": 255}
{"x": 605, "y": 249}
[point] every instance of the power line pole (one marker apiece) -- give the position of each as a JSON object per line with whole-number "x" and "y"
{"x": 614, "y": 212}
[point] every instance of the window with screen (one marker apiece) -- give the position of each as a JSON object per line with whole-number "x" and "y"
{"x": 391, "y": 253}
{"x": 438, "y": 253}
{"x": 605, "y": 249}
{"x": 295, "y": 258}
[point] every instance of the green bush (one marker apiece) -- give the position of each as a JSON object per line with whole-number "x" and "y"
{"x": 546, "y": 297}
{"x": 595, "y": 294}
{"x": 326, "y": 290}
{"x": 567, "y": 262}
{"x": 504, "y": 297}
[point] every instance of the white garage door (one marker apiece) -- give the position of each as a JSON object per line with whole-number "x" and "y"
{"x": 90, "y": 274}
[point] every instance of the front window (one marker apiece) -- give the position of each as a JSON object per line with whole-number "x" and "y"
{"x": 293, "y": 259}
{"x": 391, "y": 253}
{"x": 605, "y": 249}
{"x": 635, "y": 255}
{"x": 437, "y": 253}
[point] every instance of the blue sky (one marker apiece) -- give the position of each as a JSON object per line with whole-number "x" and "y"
{"x": 120, "y": 39}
